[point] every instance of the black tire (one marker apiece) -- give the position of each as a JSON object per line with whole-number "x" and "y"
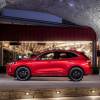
{"x": 23, "y": 73}
{"x": 76, "y": 74}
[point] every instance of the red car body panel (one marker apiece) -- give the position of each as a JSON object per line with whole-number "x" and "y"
{"x": 51, "y": 67}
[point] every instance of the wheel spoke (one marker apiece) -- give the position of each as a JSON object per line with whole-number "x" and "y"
{"x": 76, "y": 74}
{"x": 23, "y": 73}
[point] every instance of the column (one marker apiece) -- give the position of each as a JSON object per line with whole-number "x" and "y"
{"x": 94, "y": 59}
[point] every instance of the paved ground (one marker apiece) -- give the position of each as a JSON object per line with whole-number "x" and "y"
{"x": 7, "y": 82}
{"x": 69, "y": 98}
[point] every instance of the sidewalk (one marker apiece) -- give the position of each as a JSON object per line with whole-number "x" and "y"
{"x": 7, "y": 82}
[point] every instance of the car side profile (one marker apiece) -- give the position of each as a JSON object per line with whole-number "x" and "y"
{"x": 66, "y": 63}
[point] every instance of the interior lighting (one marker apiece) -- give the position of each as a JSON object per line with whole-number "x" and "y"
{"x": 6, "y": 44}
{"x": 58, "y": 92}
{"x": 27, "y": 93}
{"x": 93, "y": 91}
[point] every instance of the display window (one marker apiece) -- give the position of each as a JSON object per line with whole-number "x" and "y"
{"x": 25, "y": 49}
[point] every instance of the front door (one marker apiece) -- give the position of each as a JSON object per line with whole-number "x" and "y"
{"x": 43, "y": 65}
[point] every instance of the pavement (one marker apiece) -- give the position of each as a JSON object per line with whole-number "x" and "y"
{"x": 7, "y": 82}
{"x": 69, "y": 98}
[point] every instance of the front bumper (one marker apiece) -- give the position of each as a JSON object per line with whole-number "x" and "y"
{"x": 9, "y": 70}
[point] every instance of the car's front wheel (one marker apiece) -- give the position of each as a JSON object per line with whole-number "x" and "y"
{"x": 76, "y": 74}
{"x": 23, "y": 73}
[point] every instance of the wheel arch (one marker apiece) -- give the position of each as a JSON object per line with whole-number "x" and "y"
{"x": 22, "y": 66}
{"x": 76, "y": 67}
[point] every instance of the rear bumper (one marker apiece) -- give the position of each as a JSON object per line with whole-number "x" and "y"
{"x": 88, "y": 70}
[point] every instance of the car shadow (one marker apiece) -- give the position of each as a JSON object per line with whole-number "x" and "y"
{"x": 47, "y": 79}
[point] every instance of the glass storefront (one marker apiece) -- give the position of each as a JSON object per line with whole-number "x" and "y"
{"x": 13, "y": 49}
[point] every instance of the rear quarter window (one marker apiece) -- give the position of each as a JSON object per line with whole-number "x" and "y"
{"x": 71, "y": 55}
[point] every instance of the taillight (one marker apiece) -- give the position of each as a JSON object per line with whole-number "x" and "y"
{"x": 89, "y": 62}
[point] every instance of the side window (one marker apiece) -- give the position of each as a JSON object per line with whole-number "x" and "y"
{"x": 64, "y": 55}
{"x": 47, "y": 56}
{"x": 71, "y": 55}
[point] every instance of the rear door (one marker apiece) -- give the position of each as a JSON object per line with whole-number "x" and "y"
{"x": 62, "y": 62}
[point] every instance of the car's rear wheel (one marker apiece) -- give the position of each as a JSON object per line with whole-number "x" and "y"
{"x": 23, "y": 73}
{"x": 76, "y": 74}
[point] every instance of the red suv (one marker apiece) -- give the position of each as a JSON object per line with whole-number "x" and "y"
{"x": 69, "y": 63}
